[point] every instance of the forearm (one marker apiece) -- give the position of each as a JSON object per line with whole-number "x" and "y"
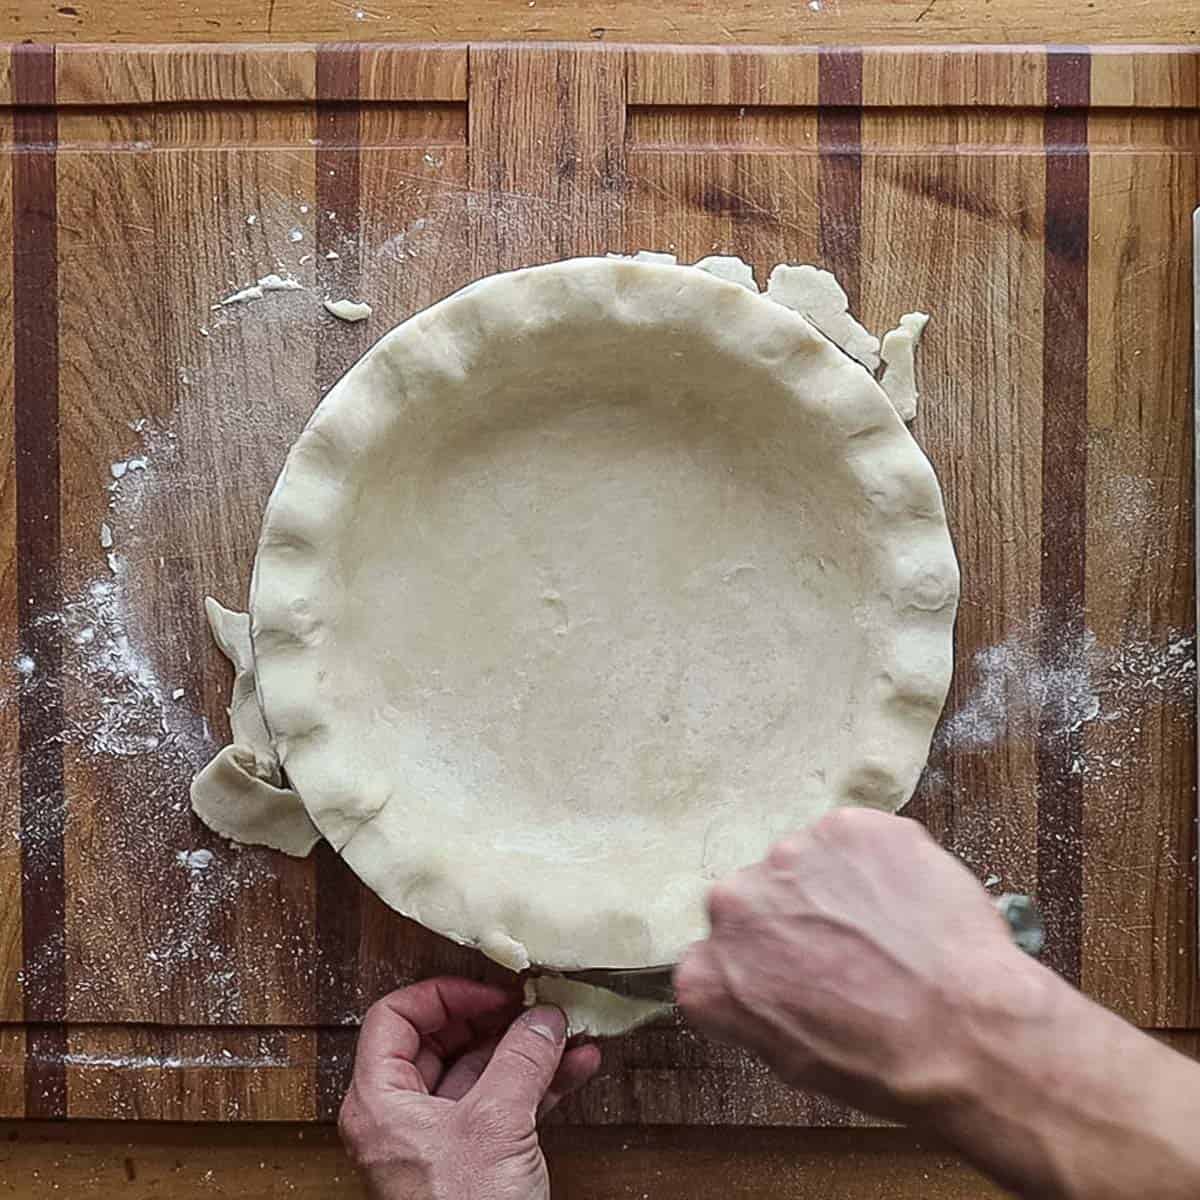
{"x": 1062, "y": 1099}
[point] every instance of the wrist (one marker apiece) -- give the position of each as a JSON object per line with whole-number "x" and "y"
{"x": 1013, "y": 1055}
{"x": 1058, "y": 1097}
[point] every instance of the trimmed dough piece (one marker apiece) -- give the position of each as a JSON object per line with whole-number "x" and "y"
{"x": 232, "y": 801}
{"x": 899, "y": 357}
{"x": 592, "y": 1010}
{"x": 730, "y": 268}
{"x": 240, "y": 793}
{"x": 231, "y": 632}
{"x": 817, "y": 296}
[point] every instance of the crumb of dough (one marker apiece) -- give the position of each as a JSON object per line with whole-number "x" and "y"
{"x": 348, "y": 310}
{"x": 277, "y": 283}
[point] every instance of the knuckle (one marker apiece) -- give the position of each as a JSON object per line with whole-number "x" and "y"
{"x": 847, "y": 825}
{"x": 786, "y": 853}
{"x": 353, "y": 1125}
{"x": 695, "y": 981}
{"x": 381, "y": 1006}
{"x": 727, "y": 903}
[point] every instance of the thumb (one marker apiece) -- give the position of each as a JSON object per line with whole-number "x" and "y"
{"x": 525, "y": 1061}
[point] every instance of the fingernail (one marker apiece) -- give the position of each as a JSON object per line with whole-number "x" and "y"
{"x": 546, "y": 1021}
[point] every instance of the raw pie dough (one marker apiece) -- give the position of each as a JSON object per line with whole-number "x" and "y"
{"x": 582, "y": 587}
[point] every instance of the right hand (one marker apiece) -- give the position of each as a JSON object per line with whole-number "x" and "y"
{"x": 858, "y": 960}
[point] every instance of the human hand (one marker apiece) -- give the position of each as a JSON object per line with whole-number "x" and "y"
{"x": 860, "y": 959}
{"x": 447, "y": 1093}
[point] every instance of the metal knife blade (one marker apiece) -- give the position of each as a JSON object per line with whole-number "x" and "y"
{"x": 638, "y": 983}
{"x": 656, "y": 983}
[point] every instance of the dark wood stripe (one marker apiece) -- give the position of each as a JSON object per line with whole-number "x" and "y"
{"x": 338, "y": 890}
{"x": 39, "y": 589}
{"x": 839, "y": 182}
{"x": 45, "y": 1071}
{"x": 1064, "y": 496}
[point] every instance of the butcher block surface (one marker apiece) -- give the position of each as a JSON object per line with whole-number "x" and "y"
{"x": 1036, "y": 202}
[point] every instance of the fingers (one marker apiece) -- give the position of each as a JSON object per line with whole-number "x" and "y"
{"x": 464, "y": 1074}
{"x": 704, "y": 996}
{"x": 461, "y": 1035}
{"x": 578, "y": 1066}
{"x": 395, "y": 1049}
{"x": 699, "y": 988}
{"x": 525, "y": 1062}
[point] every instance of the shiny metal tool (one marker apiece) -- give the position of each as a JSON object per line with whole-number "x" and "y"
{"x": 655, "y": 983}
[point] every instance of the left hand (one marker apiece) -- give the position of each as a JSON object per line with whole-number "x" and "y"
{"x": 447, "y": 1093}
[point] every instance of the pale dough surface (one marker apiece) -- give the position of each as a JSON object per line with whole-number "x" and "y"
{"x": 586, "y": 584}
{"x": 240, "y": 794}
{"x": 591, "y": 1010}
{"x": 818, "y": 297}
{"x": 898, "y": 352}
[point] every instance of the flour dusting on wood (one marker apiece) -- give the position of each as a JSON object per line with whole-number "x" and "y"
{"x": 1049, "y": 677}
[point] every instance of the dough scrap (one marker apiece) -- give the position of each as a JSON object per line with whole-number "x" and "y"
{"x": 817, "y": 296}
{"x": 729, "y": 268}
{"x": 591, "y": 1010}
{"x": 899, "y": 356}
{"x": 506, "y": 951}
{"x": 548, "y": 585}
{"x": 235, "y": 803}
{"x": 348, "y": 310}
{"x": 240, "y": 794}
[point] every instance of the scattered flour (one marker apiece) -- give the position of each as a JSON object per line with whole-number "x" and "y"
{"x": 194, "y": 860}
{"x": 256, "y": 291}
{"x": 1018, "y": 690}
{"x": 1015, "y": 691}
{"x": 420, "y": 235}
{"x": 172, "y": 1062}
{"x": 130, "y": 740}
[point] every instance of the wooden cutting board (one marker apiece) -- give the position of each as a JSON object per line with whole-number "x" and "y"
{"x": 1035, "y": 202}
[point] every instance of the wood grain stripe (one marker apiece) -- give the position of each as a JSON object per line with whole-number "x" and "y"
{"x": 338, "y": 891}
{"x": 35, "y": 422}
{"x": 1064, "y": 497}
{"x": 839, "y": 188}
